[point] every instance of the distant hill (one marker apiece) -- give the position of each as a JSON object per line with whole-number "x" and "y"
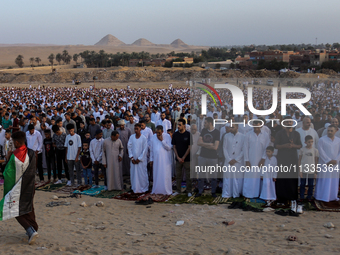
{"x": 143, "y": 42}
{"x": 178, "y": 43}
{"x": 110, "y": 40}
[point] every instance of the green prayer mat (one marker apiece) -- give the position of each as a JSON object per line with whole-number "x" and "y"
{"x": 50, "y": 187}
{"x": 109, "y": 194}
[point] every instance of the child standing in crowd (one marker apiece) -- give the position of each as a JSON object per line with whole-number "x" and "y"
{"x": 268, "y": 177}
{"x": 49, "y": 155}
{"x": 73, "y": 146}
{"x": 86, "y": 164}
{"x": 308, "y": 159}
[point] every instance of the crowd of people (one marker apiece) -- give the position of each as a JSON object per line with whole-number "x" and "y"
{"x": 152, "y": 136}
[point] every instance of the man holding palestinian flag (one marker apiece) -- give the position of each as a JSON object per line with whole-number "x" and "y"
{"x": 19, "y": 187}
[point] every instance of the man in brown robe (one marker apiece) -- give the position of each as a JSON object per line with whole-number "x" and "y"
{"x": 111, "y": 158}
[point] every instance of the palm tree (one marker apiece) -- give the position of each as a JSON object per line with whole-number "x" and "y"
{"x": 32, "y": 61}
{"x": 19, "y": 61}
{"x": 67, "y": 59}
{"x": 58, "y": 58}
{"x": 38, "y": 60}
{"x": 75, "y": 58}
{"x": 51, "y": 59}
{"x": 64, "y": 55}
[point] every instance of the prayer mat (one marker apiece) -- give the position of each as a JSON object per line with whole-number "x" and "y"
{"x": 87, "y": 190}
{"x": 65, "y": 190}
{"x": 109, "y": 194}
{"x": 258, "y": 200}
{"x": 50, "y": 187}
{"x": 41, "y": 184}
{"x": 130, "y": 196}
{"x": 333, "y": 206}
{"x": 154, "y": 197}
{"x": 178, "y": 199}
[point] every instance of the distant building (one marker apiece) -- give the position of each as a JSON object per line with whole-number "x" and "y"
{"x": 300, "y": 60}
{"x": 243, "y": 62}
{"x": 225, "y": 64}
{"x": 255, "y": 57}
{"x": 186, "y": 60}
{"x": 134, "y": 62}
{"x": 317, "y": 57}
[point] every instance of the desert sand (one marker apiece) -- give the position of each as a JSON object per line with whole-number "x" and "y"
{"x": 121, "y": 227}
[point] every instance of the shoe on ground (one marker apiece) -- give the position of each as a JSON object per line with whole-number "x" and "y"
{"x": 213, "y": 195}
{"x": 32, "y": 238}
{"x": 68, "y": 183}
{"x": 189, "y": 194}
{"x": 198, "y": 195}
{"x": 293, "y": 206}
{"x": 299, "y": 209}
{"x": 58, "y": 182}
{"x": 32, "y": 235}
{"x": 175, "y": 193}
{"x": 105, "y": 187}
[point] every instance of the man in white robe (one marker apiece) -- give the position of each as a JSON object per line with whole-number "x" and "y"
{"x": 334, "y": 122}
{"x": 161, "y": 161}
{"x": 233, "y": 144}
{"x": 138, "y": 147}
{"x": 327, "y": 184}
{"x": 164, "y": 122}
{"x": 255, "y": 145}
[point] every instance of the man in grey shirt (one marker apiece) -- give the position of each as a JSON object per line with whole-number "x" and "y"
{"x": 67, "y": 121}
{"x": 93, "y": 127}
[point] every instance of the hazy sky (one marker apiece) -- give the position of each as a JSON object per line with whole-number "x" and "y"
{"x": 196, "y": 22}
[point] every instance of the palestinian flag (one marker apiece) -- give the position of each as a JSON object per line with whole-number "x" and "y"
{"x": 19, "y": 182}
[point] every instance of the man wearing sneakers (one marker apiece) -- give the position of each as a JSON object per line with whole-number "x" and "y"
{"x": 209, "y": 141}
{"x": 182, "y": 141}
{"x": 73, "y": 146}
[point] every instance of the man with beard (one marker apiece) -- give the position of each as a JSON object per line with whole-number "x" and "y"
{"x": 124, "y": 135}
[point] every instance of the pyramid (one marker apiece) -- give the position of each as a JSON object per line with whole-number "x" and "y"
{"x": 178, "y": 43}
{"x": 143, "y": 42}
{"x": 110, "y": 40}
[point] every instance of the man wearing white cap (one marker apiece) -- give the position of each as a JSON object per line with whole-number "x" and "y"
{"x": 101, "y": 114}
{"x": 138, "y": 148}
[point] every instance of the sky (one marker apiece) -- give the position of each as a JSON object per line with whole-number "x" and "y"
{"x": 196, "y": 22}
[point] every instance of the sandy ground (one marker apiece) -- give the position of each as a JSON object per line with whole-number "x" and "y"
{"x": 121, "y": 227}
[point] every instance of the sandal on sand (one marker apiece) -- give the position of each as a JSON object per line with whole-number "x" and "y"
{"x": 228, "y": 223}
{"x": 142, "y": 202}
{"x": 233, "y": 204}
{"x": 292, "y": 213}
{"x": 281, "y": 212}
{"x": 292, "y": 238}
